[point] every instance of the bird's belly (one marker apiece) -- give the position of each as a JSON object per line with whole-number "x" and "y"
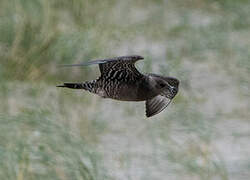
{"x": 129, "y": 93}
{"x": 127, "y": 98}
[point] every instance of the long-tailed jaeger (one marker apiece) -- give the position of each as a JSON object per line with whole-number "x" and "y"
{"x": 121, "y": 80}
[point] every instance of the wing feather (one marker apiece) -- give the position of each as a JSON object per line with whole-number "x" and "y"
{"x": 156, "y": 105}
{"x": 125, "y": 63}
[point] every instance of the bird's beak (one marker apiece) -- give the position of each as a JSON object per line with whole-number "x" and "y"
{"x": 140, "y": 57}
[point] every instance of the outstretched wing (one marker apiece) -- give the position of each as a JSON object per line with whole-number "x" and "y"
{"x": 118, "y": 67}
{"x": 156, "y": 105}
{"x": 119, "y": 63}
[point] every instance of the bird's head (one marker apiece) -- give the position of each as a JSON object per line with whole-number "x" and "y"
{"x": 167, "y": 86}
{"x": 136, "y": 57}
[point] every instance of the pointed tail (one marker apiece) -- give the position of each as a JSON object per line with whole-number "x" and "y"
{"x": 72, "y": 85}
{"x": 89, "y": 86}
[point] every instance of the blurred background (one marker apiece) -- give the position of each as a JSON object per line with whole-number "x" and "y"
{"x": 52, "y": 133}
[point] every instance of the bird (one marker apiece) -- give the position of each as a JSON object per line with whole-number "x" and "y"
{"x": 120, "y": 80}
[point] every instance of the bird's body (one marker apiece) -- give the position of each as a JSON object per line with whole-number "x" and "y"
{"x": 138, "y": 90}
{"x": 120, "y": 80}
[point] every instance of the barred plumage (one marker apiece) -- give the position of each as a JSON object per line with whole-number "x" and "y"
{"x": 89, "y": 86}
{"x": 120, "y": 80}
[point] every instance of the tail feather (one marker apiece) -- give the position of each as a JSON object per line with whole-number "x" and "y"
{"x": 89, "y": 86}
{"x": 72, "y": 85}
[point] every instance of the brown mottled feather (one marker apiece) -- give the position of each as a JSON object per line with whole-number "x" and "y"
{"x": 121, "y": 80}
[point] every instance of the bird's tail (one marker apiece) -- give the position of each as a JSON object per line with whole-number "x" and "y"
{"x": 89, "y": 86}
{"x": 71, "y": 85}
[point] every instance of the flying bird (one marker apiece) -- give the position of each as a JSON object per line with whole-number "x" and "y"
{"x": 120, "y": 80}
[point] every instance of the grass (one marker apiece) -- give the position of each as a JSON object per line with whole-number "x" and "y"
{"x": 38, "y": 141}
{"x": 50, "y": 133}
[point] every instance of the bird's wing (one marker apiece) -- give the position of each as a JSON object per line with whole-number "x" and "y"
{"x": 156, "y": 105}
{"x": 122, "y": 66}
{"x": 118, "y": 63}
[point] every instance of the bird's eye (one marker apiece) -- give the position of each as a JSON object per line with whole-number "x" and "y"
{"x": 174, "y": 90}
{"x": 162, "y": 85}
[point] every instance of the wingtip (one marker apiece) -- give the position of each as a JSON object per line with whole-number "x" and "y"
{"x": 70, "y": 65}
{"x": 148, "y": 114}
{"x": 84, "y": 64}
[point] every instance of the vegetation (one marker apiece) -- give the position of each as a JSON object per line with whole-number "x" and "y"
{"x": 50, "y": 133}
